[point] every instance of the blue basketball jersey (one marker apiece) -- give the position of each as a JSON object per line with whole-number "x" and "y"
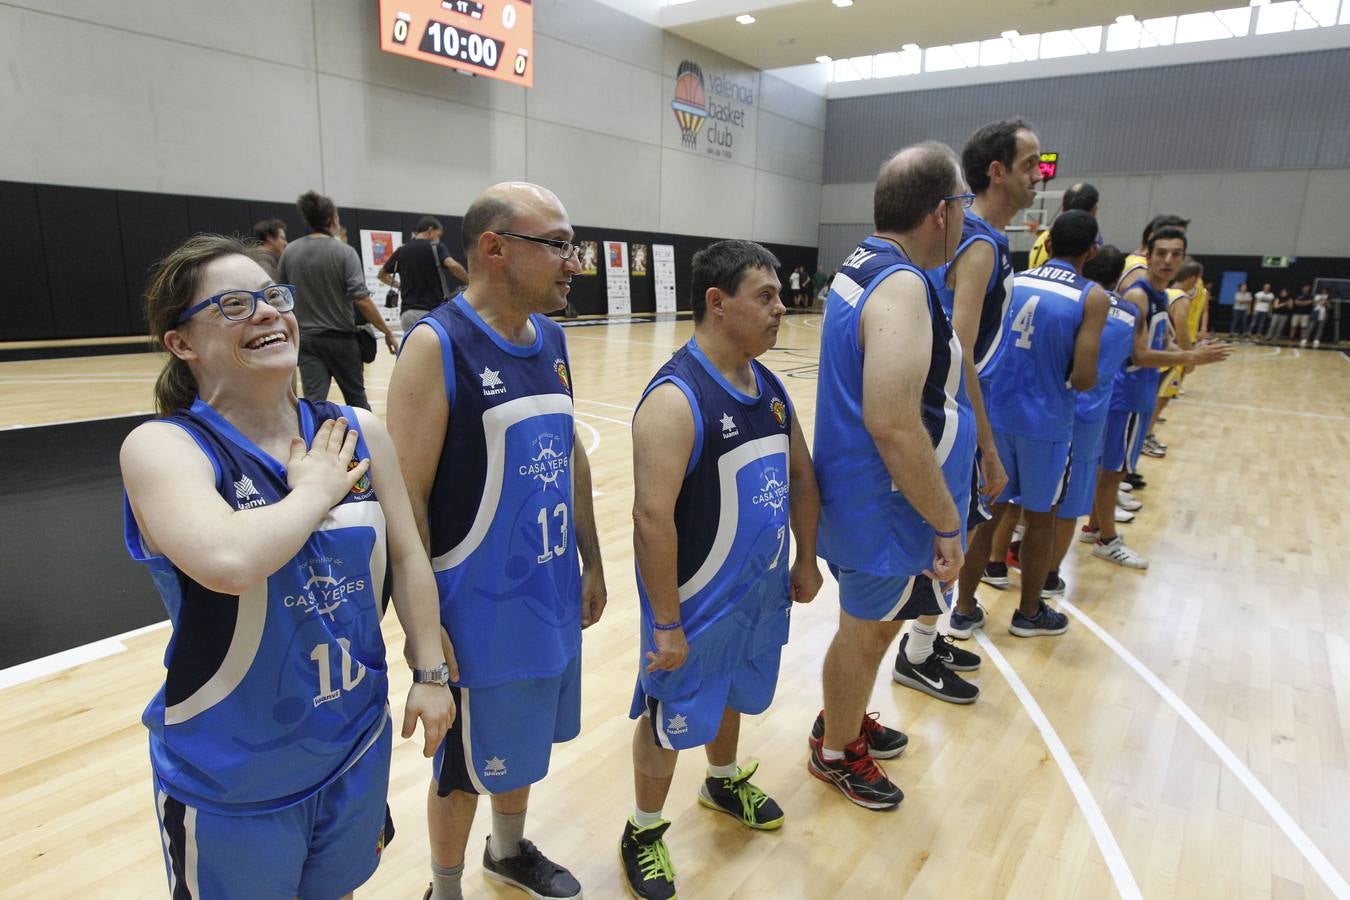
{"x": 1030, "y": 393}
{"x": 997, "y": 293}
{"x": 1116, "y": 345}
{"x": 272, "y": 694}
{"x": 503, "y": 544}
{"x": 732, "y": 520}
{"x": 1137, "y": 386}
{"x": 865, "y": 521}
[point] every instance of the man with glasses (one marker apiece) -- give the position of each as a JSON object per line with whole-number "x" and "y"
{"x": 1001, "y": 162}
{"x": 328, "y": 276}
{"x": 480, "y": 409}
{"x": 894, "y": 443}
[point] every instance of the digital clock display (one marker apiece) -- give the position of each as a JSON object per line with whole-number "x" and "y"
{"x": 494, "y": 38}
{"x": 1049, "y": 165}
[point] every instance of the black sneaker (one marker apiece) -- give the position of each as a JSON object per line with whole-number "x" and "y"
{"x": 933, "y": 678}
{"x": 1046, "y": 622}
{"x": 952, "y": 656}
{"x": 857, "y": 776}
{"x": 738, "y": 797}
{"x": 996, "y": 576}
{"x": 532, "y": 872}
{"x": 882, "y": 742}
{"x": 1135, "y": 481}
{"x": 646, "y": 861}
{"x": 1054, "y": 587}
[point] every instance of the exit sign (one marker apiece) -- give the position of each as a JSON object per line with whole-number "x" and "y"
{"x": 1275, "y": 262}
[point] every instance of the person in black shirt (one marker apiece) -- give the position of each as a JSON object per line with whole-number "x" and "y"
{"x": 1302, "y": 310}
{"x": 421, "y": 265}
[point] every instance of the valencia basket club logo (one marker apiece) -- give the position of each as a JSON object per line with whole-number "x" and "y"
{"x": 690, "y": 104}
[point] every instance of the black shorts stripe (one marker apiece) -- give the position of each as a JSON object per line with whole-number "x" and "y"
{"x": 174, "y": 824}
{"x": 1064, "y": 480}
{"x": 454, "y": 773}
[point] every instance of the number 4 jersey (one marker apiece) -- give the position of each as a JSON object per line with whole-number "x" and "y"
{"x": 503, "y": 545}
{"x": 732, "y": 521}
{"x": 274, "y": 693}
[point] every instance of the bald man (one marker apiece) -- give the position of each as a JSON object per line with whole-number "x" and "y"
{"x": 480, "y": 408}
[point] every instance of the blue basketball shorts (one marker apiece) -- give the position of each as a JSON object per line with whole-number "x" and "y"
{"x": 1125, "y": 433}
{"x": 325, "y": 846}
{"x": 1084, "y": 460}
{"x": 888, "y": 598}
{"x": 503, "y": 735}
{"x": 1038, "y": 471}
{"x": 691, "y": 717}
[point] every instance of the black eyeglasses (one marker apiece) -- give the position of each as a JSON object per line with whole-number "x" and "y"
{"x": 566, "y": 249}
{"x": 239, "y": 305}
{"x": 967, "y": 200}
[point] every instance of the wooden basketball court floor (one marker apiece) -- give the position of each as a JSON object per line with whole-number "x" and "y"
{"x": 1186, "y": 738}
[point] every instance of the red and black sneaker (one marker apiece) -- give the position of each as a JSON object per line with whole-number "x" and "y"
{"x": 882, "y": 742}
{"x": 857, "y": 776}
{"x": 1013, "y": 558}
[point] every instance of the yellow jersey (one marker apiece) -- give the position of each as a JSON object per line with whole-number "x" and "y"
{"x": 1132, "y": 261}
{"x": 1039, "y": 256}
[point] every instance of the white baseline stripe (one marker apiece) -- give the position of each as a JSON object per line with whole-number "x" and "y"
{"x": 1106, "y": 841}
{"x": 77, "y": 421}
{"x": 1267, "y": 410}
{"x": 68, "y": 659}
{"x": 1296, "y": 835}
{"x": 602, "y": 418}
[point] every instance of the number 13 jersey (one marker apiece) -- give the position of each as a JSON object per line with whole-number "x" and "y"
{"x": 503, "y": 544}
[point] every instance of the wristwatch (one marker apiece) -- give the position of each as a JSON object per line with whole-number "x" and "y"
{"x": 439, "y": 675}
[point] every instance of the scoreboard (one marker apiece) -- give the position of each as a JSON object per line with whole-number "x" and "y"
{"x": 494, "y": 38}
{"x": 1049, "y": 165}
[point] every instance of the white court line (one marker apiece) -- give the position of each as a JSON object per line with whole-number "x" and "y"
{"x": 1267, "y": 410}
{"x": 591, "y": 447}
{"x": 68, "y": 659}
{"x": 129, "y": 415}
{"x": 77, "y": 382}
{"x": 1296, "y": 835}
{"x": 604, "y": 418}
{"x": 603, "y": 403}
{"x": 1106, "y": 841}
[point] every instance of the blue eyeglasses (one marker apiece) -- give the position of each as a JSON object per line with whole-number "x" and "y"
{"x": 239, "y": 306}
{"x": 967, "y": 200}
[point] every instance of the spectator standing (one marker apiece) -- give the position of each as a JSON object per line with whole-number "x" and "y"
{"x": 1261, "y": 311}
{"x": 1303, "y": 304}
{"x": 418, "y": 269}
{"x": 271, "y": 237}
{"x": 1242, "y": 311}
{"x": 1280, "y": 311}
{"x": 1321, "y": 311}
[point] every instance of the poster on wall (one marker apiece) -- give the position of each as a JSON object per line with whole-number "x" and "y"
{"x": 616, "y": 278}
{"x": 638, "y": 262}
{"x": 588, "y": 255}
{"x": 376, "y": 248}
{"x": 663, "y": 276}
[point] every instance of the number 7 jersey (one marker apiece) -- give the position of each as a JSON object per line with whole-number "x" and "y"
{"x": 503, "y": 544}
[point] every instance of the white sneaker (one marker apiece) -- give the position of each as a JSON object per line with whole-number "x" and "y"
{"x": 1126, "y": 502}
{"x": 1126, "y": 487}
{"x": 1303, "y": 343}
{"x": 1124, "y": 515}
{"x": 1118, "y": 553}
{"x": 1088, "y": 535}
{"x": 1316, "y": 344}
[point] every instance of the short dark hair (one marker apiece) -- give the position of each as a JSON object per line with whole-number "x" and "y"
{"x": 1106, "y": 267}
{"x": 1073, "y": 234}
{"x": 1190, "y": 268}
{"x": 427, "y": 223}
{"x": 907, "y": 193}
{"x": 487, "y": 213}
{"x": 1082, "y": 196}
{"x": 995, "y": 142}
{"x": 267, "y": 229}
{"x": 316, "y": 209}
{"x": 1165, "y": 220}
{"x": 723, "y": 265}
{"x": 1167, "y": 233}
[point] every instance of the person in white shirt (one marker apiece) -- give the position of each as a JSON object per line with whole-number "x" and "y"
{"x": 1242, "y": 310}
{"x": 1261, "y": 311}
{"x": 1321, "y": 312}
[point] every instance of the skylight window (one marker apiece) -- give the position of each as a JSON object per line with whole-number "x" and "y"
{"x": 1276, "y": 18}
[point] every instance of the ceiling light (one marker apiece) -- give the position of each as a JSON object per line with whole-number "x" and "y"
{"x": 1126, "y": 19}
{"x": 823, "y": 59}
{"x": 842, "y": 3}
{"x": 1010, "y": 35}
{"x": 745, "y": 19}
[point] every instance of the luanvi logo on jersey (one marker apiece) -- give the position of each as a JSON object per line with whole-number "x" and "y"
{"x": 325, "y": 588}
{"x": 676, "y": 724}
{"x": 246, "y": 494}
{"x": 492, "y": 382}
{"x": 774, "y": 493}
{"x": 494, "y": 766}
{"x": 729, "y": 429}
{"x": 548, "y": 462}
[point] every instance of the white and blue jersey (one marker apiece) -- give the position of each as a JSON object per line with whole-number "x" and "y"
{"x": 503, "y": 543}
{"x": 1117, "y": 344}
{"x": 866, "y": 524}
{"x": 272, "y": 694}
{"x": 1030, "y": 394}
{"x": 997, "y": 293}
{"x": 731, "y": 518}
{"x": 1137, "y": 386}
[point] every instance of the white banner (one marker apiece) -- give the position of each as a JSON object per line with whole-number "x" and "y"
{"x": 376, "y": 248}
{"x": 616, "y": 278}
{"x": 663, "y": 276}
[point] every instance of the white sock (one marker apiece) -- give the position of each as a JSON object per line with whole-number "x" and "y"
{"x": 920, "y": 644}
{"x": 645, "y": 819}
{"x": 831, "y": 755}
{"x": 446, "y": 882}
{"x": 723, "y": 771}
{"x": 508, "y": 829}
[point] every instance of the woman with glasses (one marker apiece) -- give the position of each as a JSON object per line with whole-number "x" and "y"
{"x": 274, "y": 529}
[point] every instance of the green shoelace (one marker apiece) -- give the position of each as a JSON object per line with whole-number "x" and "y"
{"x": 654, "y": 862}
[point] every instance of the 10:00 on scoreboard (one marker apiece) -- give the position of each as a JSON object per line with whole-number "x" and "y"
{"x": 493, "y": 38}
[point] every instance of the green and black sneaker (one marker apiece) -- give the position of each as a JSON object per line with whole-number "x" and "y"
{"x": 738, "y": 797}
{"x": 647, "y": 868}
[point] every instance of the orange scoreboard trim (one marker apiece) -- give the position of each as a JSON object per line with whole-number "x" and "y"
{"x": 492, "y": 38}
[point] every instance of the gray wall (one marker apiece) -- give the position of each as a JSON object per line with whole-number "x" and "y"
{"x": 263, "y": 99}
{"x": 1257, "y": 151}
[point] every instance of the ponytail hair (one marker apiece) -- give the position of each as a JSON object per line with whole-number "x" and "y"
{"x": 174, "y": 284}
